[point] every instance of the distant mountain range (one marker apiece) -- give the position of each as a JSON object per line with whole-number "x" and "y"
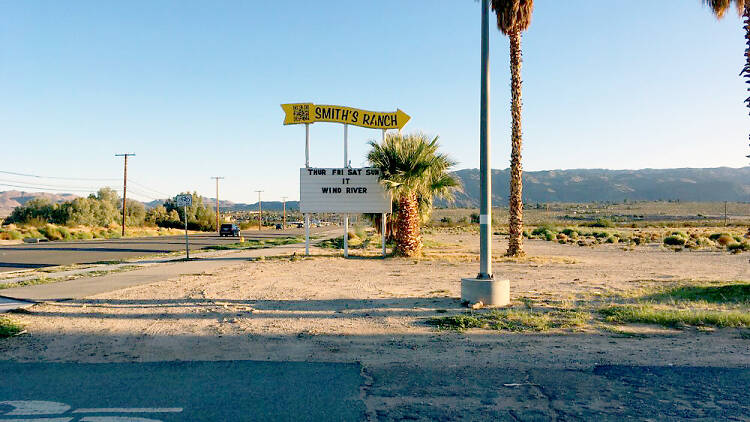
{"x": 13, "y": 198}
{"x": 589, "y": 185}
{"x": 236, "y": 206}
{"x": 583, "y": 185}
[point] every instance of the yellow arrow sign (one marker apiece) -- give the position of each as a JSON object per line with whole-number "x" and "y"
{"x": 311, "y": 113}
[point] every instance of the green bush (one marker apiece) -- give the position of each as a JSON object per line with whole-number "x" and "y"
{"x": 716, "y": 236}
{"x": 64, "y": 233}
{"x": 725, "y": 239}
{"x": 11, "y": 235}
{"x": 601, "y": 222}
{"x": 83, "y": 235}
{"x": 738, "y": 247}
{"x": 50, "y": 232}
{"x": 674, "y": 240}
{"x": 572, "y": 233}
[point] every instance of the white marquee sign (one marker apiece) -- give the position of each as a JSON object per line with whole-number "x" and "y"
{"x": 342, "y": 190}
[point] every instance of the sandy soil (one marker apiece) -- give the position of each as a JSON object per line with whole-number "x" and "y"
{"x": 372, "y": 311}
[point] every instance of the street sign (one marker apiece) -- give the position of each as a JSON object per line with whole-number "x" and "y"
{"x": 310, "y": 113}
{"x": 183, "y": 200}
{"x": 343, "y": 190}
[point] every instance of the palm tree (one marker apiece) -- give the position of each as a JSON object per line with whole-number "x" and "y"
{"x": 720, "y": 8}
{"x": 414, "y": 172}
{"x": 513, "y": 17}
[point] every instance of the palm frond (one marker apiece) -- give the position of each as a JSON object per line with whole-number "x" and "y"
{"x": 513, "y": 15}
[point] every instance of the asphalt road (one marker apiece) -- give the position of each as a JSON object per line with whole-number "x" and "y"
{"x": 24, "y": 256}
{"x": 330, "y": 391}
{"x": 180, "y": 391}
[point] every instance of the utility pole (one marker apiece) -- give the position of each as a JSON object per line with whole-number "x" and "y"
{"x": 260, "y": 210}
{"x": 124, "y": 188}
{"x": 218, "y": 229}
{"x": 283, "y": 219}
{"x": 725, "y": 213}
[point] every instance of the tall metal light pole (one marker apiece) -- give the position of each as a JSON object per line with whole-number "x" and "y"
{"x": 485, "y": 288}
{"x": 485, "y": 203}
{"x": 283, "y": 219}
{"x": 260, "y": 210}
{"x": 124, "y": 188}
{"x": 218, "y": 229}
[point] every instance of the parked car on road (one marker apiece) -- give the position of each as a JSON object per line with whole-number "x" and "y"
{"x": 229, "y": 230}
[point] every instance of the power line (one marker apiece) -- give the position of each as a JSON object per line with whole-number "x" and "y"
{"x": 47, "y": 189}
{"x": 46, "y": 185}
{"x": 166, "y": 195}
{"x": 56, "y": 177}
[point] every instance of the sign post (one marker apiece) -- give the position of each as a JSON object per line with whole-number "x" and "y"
{"x": 185, "y": 201}
{"x": 338, "y": 196}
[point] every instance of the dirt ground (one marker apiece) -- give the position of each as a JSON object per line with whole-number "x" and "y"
{"x": 373, "y": 311}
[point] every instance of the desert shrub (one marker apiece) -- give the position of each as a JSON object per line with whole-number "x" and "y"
{"x": 83, "y": 235}
{"x": 600, "y": 235}
{"x": 601, "y": 222}
{"x": 10, "y": 235}
{"x": 50, "y": 232}
{"x": 446, "y": 220}
{"x": 716, "y": 236}
{"x": 738, "y": 247}
{"x": 571, "y": 233}
{"x": 691, "y": 244}
{"x": 611, "y": 239}
{"x": 474, "y": 218}
{"x": 64, "y": 233}
{"x": 704, "y": 242}
{"x": 679, "y": 233}
{"x": 724, "y": 239}
{"x": 674, "y": 240}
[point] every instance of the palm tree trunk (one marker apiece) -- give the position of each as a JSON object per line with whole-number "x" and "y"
{"x": 746, "y": 70}
{"x": 408, "y": 237}
{"x": 515, "y": 241}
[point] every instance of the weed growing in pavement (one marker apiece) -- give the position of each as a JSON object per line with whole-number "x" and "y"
{"x": 9, "y": 328}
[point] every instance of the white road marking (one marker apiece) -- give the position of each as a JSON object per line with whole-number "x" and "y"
{"x": 116, "y": 419}
{"x": 35, "y": 407}
{"x": 130, "y": 410}
{"x": 40, "y": 420}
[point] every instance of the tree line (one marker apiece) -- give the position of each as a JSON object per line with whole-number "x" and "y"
{"x": 104, "y": 209}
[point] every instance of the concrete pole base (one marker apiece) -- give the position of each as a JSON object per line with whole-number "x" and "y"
{"x": 489, "y": 292}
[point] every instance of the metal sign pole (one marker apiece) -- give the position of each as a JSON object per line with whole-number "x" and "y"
{"x": 382, "y": 230}
{"x": 346, "y": 216}
{"x": 187, "y": 246}
{"x": 307, "y": 165}
{"x": 307, "y": 234}
{"x": 307, "y": 145}
{"x": 383, "y": 217}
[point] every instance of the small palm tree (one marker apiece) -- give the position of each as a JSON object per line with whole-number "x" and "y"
{"x": 720, "y": 8}
{"x": 514, "y": 17}
{"x": 414, "y": 172}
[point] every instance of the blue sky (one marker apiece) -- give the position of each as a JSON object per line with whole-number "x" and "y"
{"x": 193, "y": 88}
